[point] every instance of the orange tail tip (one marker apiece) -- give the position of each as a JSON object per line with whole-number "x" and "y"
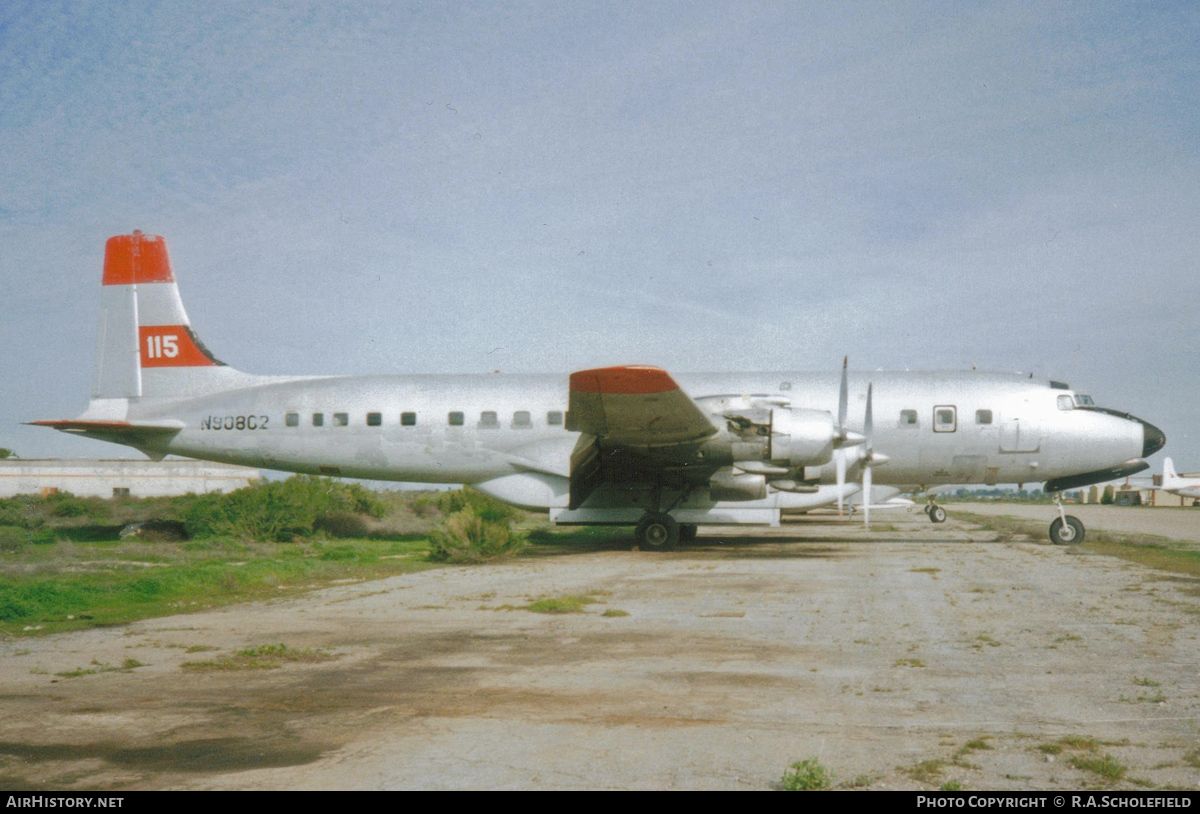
{"x": 136, "y": 258}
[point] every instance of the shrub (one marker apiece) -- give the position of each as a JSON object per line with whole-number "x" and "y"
{"x": 277, "y": 510}
{"x": 466, "y": 536}
{"x": 12, "y": 538}
{"x": 486, "y": 507}
{"x": 807, "y": 775}
{"x": 342, "y": 524}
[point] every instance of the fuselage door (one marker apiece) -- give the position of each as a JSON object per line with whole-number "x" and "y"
{"x": 1019, "y": 435}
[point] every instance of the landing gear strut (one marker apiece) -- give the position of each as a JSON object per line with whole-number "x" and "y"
{"x": 657, "y": 531}
{"x": 936, "y": 513}
{"x": 1066, "y": 529}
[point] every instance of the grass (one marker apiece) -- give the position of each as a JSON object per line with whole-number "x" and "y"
{"x": 561, "y": 604}
{"x": 1105, "y": 766}
{"x": 68, "y": 585}
{"x": 909, "y": 663}
{"x": 807, "y": 775}
{"x": 263, "y": 657}
{"x": 1149, "y": 550}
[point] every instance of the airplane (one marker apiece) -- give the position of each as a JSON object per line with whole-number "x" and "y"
{"x": 1176, "y": 485}
{"x": 626, "y": 445}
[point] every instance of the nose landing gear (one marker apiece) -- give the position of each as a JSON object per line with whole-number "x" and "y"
{"x": 1066, "y": 529}
{"x": 935, "y": 512}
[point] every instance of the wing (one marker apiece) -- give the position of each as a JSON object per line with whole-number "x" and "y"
{"x": 636, "y": 425}
{"x": 635, "y": 405}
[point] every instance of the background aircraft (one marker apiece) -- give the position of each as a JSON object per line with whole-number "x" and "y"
{"x": 1176, "y": 485}
{"x": 620, "y": 445}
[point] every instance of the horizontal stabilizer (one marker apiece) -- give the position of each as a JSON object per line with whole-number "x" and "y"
{"x": 142, "y": 435}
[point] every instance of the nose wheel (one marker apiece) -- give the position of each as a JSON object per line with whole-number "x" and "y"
{"x": 1066, "y": 529}
{"x": 935, "y": 512}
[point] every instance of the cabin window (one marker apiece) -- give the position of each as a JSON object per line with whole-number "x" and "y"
{"x": 488, "y": 420}
{"x": 983, "y": 416}
{"x": 945, "y": 419}
{"x": 908, "y": 418}
{"x": 341, "y": 419}
{"x": 374, "y": 419}
{"x": 554, "y": 418}
{"x": 1066, "y": 403}
{"x": 408, "y": 419}
{"x": 455, "y": 419}
{"x": 291, "y": 419}
{"x": 522, "y": 420}
{"x": 318, "y": 419}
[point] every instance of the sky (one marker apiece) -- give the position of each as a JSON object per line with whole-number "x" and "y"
{"x": 351, "y": 188}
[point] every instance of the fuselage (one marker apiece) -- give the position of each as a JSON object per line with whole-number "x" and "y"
{"x": 935, "y": 427}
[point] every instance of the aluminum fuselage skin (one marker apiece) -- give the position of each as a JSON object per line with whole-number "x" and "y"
{"x": 249, "y": 426}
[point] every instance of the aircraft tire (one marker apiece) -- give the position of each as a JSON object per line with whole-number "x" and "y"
{"x": 657, "y": 532}
{"x": 687, "y": 532}
{"x": 937, "y": 514}
{"x": 1070, "y": 533}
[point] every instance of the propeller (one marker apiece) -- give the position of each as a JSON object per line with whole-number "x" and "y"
{"x": 843, "y": 437}
{"x": 870, "y": 459}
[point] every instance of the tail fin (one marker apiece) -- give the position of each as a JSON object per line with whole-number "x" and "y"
{"x": 146, "y": 346}
{"x": 1168, "y": 471}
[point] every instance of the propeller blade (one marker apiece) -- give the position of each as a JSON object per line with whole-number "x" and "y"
{"x": 867, "y": 494}
{"x": 867, "y": 424}
{"x": 843, "y": 398}
{"x": 840, "y": 462}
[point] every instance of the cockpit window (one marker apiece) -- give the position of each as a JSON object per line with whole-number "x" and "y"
{"x": 1084, "y": 401}
{"x": 1066, "y": 403}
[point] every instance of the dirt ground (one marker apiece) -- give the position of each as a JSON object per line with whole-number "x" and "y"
{"x": 916, "y": 656}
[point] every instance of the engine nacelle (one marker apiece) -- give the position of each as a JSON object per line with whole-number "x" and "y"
{"x": 768, "y": 430}
{"x": 801, "y": 437}
{"x": 726, "y": 485}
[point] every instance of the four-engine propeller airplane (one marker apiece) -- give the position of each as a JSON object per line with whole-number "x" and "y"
{"x": 628, "y": 445}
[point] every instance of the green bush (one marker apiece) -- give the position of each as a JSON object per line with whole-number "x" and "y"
{"x": 807, "y": 775}
{"x": 276, "y": 510}
{"x": 12, "y": 538}
{"x": 344, "y": 525}
{"x": 486, "y": 507}
{"x": 467, "y": 536}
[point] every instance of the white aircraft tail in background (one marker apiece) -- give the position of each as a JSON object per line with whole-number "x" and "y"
{"x": 1173, "y": 483}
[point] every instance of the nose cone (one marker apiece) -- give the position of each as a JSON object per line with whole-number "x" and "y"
{"x": 1155, "y": 439}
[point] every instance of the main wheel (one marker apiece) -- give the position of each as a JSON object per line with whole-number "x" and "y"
{"x": 1069, "y": 533}
{"x": 657, "y": 532}
{"x": 937, "y": 514}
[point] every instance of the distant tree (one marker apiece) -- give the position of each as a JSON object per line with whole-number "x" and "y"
{"x": 6, "y": 453}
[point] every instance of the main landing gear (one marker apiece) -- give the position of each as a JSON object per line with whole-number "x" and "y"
{"x": 1066, "y": 529}
{"x": 658, "y": 531}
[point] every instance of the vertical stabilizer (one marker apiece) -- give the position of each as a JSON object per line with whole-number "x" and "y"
{"x": 146, "y": 346}
{"x": 1168, "y": 471}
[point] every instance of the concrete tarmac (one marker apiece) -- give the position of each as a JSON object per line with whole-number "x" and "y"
{"x": 914, "y": 656}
